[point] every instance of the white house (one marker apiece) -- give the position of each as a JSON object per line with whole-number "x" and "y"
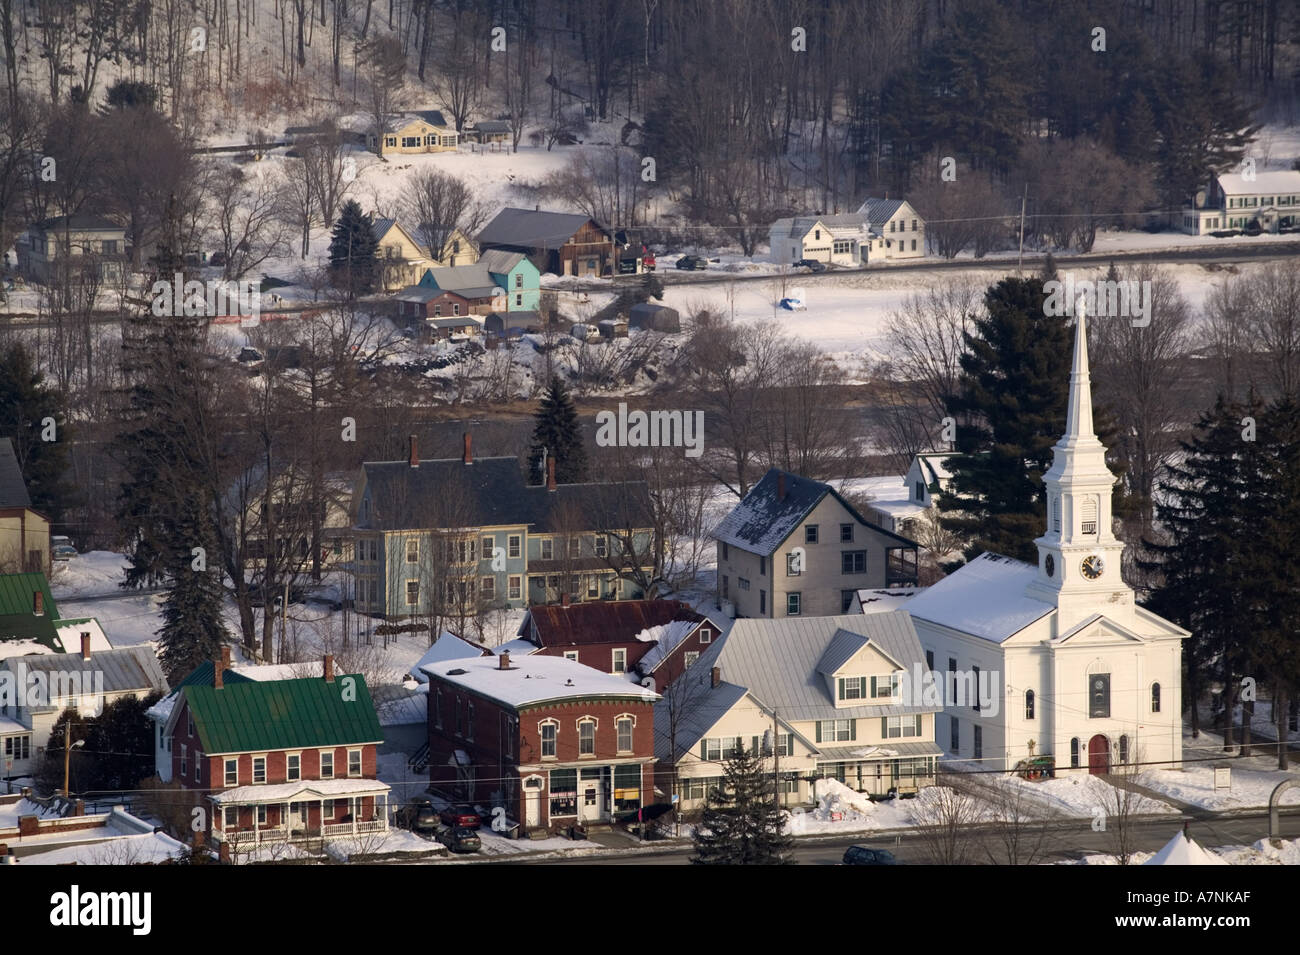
{"x": 1075, "y": 669}
{"x": 821, "y": 696}
{"x": 897, "y": 231}
{"x": 1269, "y": 200}
{"x": 835, "y": 240}
{"x": 928, "y": 477}
{"x": 36, "y": 688}
{"x": 795, "y": 547}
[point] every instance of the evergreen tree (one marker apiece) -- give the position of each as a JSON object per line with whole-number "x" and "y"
{"x": 741, "y": 825}
{"x": 1205, "y": 508}
{"x": 558, "y": 435}
{"x": 26, "y": 402}
{"x": 1010, "y": 411}
{"x": 1137, "y": 129}
{"x": 353, "y": 250}
{"x": 1270, "y": 569}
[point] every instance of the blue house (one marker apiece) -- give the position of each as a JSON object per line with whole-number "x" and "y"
{"x": 503, "y": 281}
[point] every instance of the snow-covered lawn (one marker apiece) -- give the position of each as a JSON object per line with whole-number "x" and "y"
{"x": 1253, "y": 778}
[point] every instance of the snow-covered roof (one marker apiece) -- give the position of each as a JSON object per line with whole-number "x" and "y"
{"x": 518, "y": 647}
{"x": 934, "y": 465}
{"x": 889, "y": 495}
{"x": 150, "y": 848}
{"x": 535, "y": 679}
{"x": 887, "y": 601}
{"x": 667, "y": 637}
{"x": 448, "y": 646}
{"x": 985, "y": 598}
{"x": 303, "y": 789}
{"x": 841, "y": 225}
{"x": 401, "y": 705}
{"x": 1183, "y": 850}
{"x": 1283, "y": 181}
{"x": 68, "y": 633}
{"x": 880, "y": 210}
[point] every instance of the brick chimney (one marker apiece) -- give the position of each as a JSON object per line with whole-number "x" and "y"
{"x": 413, "y": 459}
{"x": 85, "y": 645}
{"x": 219, "y": 668}
{"x": 780, "y": 485}
{"x": 503, "y": 661}
{"x": 468, "y": 456}
{"x": 717, "y": 677}
{"x": 328, "y": 668}
{"x": 38, "y": 603}
{"x": 550, "y": 474}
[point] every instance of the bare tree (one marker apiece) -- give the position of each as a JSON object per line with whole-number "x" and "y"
{"x": 440, "y": 205}
{"x": 457, "y": 75}
{"x": 944, "y": 814}
{"x": 329, "y": 169}
{"x": 385, "y": 70}
{"x": 299, "y": 203}
{"x": 1119, "y": 801}
{"x": 248, "y": 223}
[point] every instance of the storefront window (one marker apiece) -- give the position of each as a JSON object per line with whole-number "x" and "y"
{"x": 564, "y": 792}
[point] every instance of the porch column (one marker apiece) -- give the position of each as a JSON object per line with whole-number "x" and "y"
{"x": 257, "y": 829}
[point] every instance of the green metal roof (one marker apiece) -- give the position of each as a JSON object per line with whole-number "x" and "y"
{"x": 17, "y": 622}
{"x": 283, "y": 714}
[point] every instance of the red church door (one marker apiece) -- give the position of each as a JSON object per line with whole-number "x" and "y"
{"x": 1098, "y": 755}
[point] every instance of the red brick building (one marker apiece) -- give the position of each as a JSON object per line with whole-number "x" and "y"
{"x": 552, "y": 741}
{"x": 278, "y": 760}
{"x": 613, "y": 636}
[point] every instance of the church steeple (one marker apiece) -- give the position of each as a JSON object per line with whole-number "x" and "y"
{"x": 1078, "y": 421}
{"x": 1078, "y": 554}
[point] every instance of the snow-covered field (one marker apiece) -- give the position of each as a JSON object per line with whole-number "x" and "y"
{"x": 1253, "y": 778}
{"x": 1261, "y": 853}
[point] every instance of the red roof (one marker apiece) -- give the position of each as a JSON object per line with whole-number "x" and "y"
{"x": 612, "y": 621}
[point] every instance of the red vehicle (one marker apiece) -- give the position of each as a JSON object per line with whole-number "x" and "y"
{"x": 462, "y": 815}
{"x": 647, "y": 260}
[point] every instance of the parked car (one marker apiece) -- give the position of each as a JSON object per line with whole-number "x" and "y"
{"x": 812, "y": 265}
{"x": 459, "y": 838}
{"x": 861, "y": 855}
{"x": 460, "y": 815}
{"x": 695, "y": 263}
{"x": 61, "y": 548}
{"x": 793, "y": 305}
{"x": 420, "y": 816}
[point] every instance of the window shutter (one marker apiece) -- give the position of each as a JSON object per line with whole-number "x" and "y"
{"x": 853, "y": 729}
{"x": 841, "y": 685}
{"x": 704, "y": 749}
{"x": 862, "y": 686}
{"x": 884, "y": 727}
{"x": 819, "y": 731}
{"x": 754, "y": 748}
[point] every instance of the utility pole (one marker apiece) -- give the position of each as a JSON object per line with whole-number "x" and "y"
{"x": 1020, "y": 258}
{"x": 776, "y": 763}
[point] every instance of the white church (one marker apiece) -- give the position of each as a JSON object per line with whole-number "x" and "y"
{"x": 1085, "y": 675}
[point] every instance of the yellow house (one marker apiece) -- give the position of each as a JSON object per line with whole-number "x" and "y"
{"x": 401, "y": 260}
{"x": 422, "y": 131}
{"x": 24, "y": 532}
{"x": 454, "y": 247}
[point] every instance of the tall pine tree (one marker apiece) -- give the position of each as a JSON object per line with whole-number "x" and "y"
{"x": 741, "y": 825}
{"x": 353, "y": 250}
{"x": 557, "y": 436}
{"x": 1202, "y": 580}
{"x": 27, "y": 406}
{"x": 1010, "y": 410}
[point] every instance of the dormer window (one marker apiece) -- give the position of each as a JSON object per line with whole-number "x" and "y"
{"x": 885, "y": 686}
{"x": 855, "y": 687}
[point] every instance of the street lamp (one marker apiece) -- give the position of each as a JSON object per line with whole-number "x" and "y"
{"x": 67, "y": 755}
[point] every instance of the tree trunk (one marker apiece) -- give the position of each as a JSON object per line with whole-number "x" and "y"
{"x": 1281, "y": 712}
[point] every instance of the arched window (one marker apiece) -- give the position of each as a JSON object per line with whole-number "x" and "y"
{"x": 1029, "y": 704}
{"x": 1123, "y": 749}
{"x": 1056, "y": 514}
{"x": 624, "y": 724}
{"x": 1074, "y": 752}
{"x": 1155, "y": 697}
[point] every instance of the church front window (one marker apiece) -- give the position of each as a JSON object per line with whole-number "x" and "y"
{"x": 1074, "y": 753}
{"x": 1155, "y": 697}
{"x": 1099, "y": 696}
{"x": 1029, "y": 704}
